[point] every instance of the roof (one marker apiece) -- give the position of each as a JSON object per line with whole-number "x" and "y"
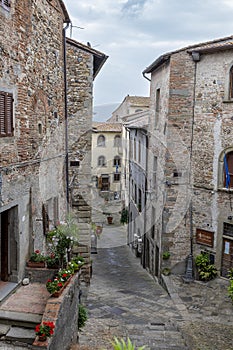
{"x": 99, "y": 57}
{"x": 106, "y": 127}
{"x": 67, "y": 18}
{"x": 206, "y": 47}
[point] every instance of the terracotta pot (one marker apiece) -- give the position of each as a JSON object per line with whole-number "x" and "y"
{"x": 59, "y": 292}
{"x": 36, "y": 264}
{"x": 42, "y": 337}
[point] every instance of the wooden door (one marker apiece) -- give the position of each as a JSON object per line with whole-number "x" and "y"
{"x": 227, "y": 256}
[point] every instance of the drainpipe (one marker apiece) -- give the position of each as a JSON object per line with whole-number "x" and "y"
{"x": 189, "y": 268}
{"x": 66, "y": 123}
{"x": 146, "y": 77}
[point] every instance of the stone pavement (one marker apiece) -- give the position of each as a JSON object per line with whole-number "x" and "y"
{"x": 125, "y": 301}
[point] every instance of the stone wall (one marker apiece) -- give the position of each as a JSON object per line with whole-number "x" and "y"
{"x": 80, "y": 90}
{"x": 32, "y": 161}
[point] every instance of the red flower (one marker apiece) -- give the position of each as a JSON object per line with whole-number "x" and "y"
{"x": 64, "y": 275}
{"x": 60, "y": 284}
{"x": 37, "y": 251}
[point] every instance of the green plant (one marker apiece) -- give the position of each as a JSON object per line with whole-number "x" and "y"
{"x": 37, "y": 256}
{"x": 54, "y": 285}
{"x": 230, "y": 274}
{"x": 206, "y": 270}
{"x": 230, "y": 290}
{"x": 166, "y": 255}
{"x": 82, "y": 316}
{"x": 52, "y": 260}
{"x": 45, "y": 329}
{"x": 122, "y": 345}
{"x": 124, "y": 216}
{"x": 166, "y": 271}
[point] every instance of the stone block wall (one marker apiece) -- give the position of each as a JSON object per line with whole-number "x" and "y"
{"x": 32, "y": 160}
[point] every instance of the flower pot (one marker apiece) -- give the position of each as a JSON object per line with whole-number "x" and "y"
{"x": 59, "y": 292}
{"x": 36, "y": 264}
{"x": 42, "y": 337}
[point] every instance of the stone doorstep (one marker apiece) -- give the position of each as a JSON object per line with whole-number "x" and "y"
{"x": 20, "y": 334}
{"x": 19, "y": 318}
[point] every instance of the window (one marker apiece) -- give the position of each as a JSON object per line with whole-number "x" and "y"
{"x": 139, "y": 151}
{"x": 6, "y": 114}
{"x": 117, "y": 161}
{"x": 101, "y": 141}
{"x": 228, "y": 170}
{"x": 101, "y": 161}
{"x": 117, "y": 177}
{"x": 231, "y": 84}
{"x": 6, "y": 4}
{"x": 117, "y": 141}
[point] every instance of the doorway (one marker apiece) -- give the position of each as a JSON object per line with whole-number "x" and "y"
{"x": 8, "y": 242}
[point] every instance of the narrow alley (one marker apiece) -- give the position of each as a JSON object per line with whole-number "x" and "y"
{"x": 125, "y": 301}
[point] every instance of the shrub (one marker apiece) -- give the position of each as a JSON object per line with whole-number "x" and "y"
{"x": 82, "y": 316}
{"x": 206, "y": 270}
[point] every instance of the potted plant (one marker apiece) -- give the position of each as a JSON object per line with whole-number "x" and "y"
{"x": 44, "y": 330}
{"x": 52, "y": 261}
{"x": 206, "y": 270}
{"x": 55, "y": 286}
{"x": 37, "y": 259}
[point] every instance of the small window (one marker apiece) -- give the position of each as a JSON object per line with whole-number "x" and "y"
{"x": 117, "y": 141}
{"x": 157, "y": 106}
{"x": 101, "y": 161}
{"x": 101, "y": 141}
{"x": 117, "y": 161}
{"x": 74, "y": 163}
{"x": 117, "y": 177}
{"x": 6, "y": 4}
{"x": 6, "y": 114}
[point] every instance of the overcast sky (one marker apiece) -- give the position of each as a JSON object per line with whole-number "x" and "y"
{"x": 133, "y": 33}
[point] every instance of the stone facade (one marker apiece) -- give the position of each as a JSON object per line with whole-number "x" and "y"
{"x": 130, "y": 105}
{"x": 32, "y": 156}
{"x": 83, "y": 65}
{"x": 191, "y": 111}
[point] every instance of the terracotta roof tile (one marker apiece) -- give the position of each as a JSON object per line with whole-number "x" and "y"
{"x": 106, "y": 127}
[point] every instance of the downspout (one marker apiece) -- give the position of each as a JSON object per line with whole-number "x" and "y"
{"x": 66, "y": 123}
{"x": 146, "y": 77}
{"x": 189, "y": 269}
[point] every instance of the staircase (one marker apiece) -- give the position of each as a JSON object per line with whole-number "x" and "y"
{"x": 157, "y": 336}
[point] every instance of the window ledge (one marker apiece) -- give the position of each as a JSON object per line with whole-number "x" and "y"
{"x": 223, "y": 189}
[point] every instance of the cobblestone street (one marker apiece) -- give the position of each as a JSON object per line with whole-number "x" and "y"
{"x": 125, "y": 301}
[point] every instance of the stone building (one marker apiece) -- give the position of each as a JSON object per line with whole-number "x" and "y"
{"x": 107, "y": 158}
{"x": 135, "y": 126}
{"x": 32, "y": 128}
{"x": 83, "y": 65}
{"x": 130, "y": 105}
{"x": 190, "y": 135}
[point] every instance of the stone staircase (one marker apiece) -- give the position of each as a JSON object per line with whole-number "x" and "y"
{"x": 157, "y": 336}
{"x": 17, "y": 328}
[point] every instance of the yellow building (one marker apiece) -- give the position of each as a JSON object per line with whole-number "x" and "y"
{"x": 107, "y": 158}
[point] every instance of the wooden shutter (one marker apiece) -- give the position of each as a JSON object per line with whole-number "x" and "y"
{"x": 6, "y": 114}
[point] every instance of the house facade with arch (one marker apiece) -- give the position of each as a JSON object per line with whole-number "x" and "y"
{"x": 190, "y": 157}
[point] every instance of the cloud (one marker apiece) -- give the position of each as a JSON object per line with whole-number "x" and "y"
{"x": 133, "y": 33}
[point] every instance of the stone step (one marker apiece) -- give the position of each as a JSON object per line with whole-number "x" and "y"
{"x": 27, "y": 320}
{"x": 20, "y": 334}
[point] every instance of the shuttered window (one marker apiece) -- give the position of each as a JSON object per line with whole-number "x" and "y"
{"x": 6, "y": 114}
{"x": 5, "y": 3}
